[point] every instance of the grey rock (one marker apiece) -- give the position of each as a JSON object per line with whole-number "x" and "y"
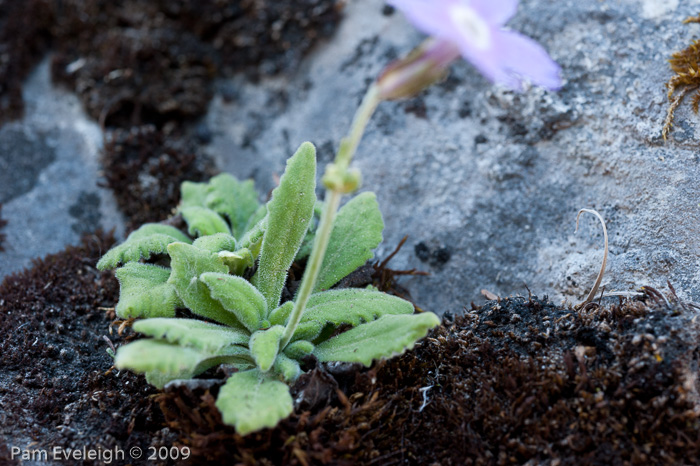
{"x": 49, "y": 171}
{"x": 487, "y": 182}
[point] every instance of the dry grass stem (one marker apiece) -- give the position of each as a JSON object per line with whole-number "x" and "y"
{"x": 594, "y": 290}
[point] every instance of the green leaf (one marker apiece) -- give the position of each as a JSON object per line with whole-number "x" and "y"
{"x": 288, "y": 215}
{"x": 308, "y": 242}
{"x": 165, "y": 361}
{"x": 280, "y": 315}
{"x": 149, "y": 239}
{"x": 237, "y": 261}
{"x": 304, "y": 331}
{"x": 307, "y": 331}
{"x": 216, "y": 243}
{"x": 288, "y": 368}
{"x": 188, "y": 263}
{"x": 299, "y": 349}
{"x": 238, "y": 296}
{"x": 193, "y": 194}
{"x": 357, "y": 230}
{"x": 264, "y": 346}
{"x": 353, "y": 306}
{"x": 251, "y": 401}
{"x": 202, "y": 221}
{"x": 192, "y": 333}
{"x": 235, "y": 199}
{"x": 385, "y": 337}
{"x": 253, "y": 238}
{"x": 152, "y": 355}
{"x": 144, "y": 291}
{"x": 256, "y": 218}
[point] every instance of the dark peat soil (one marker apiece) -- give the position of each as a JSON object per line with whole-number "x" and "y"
{"x": 518, "y": 380}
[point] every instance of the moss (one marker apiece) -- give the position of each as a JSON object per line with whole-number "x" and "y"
{"x": 515, "y": 381}
{"x": 685, "y": 81}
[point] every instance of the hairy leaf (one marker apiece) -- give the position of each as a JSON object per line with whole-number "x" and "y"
{"x": 237, "y": 261}
{"x": 149, "y": 239}
{"x": 235, "y": 199}
{"x": 357, "y": 231}
{"x": 299, "y": 349}
{"x": 308, "y": 243}
{"x": 353, "y": 306}
{"x": 385, "y": 337}
{"x": 192, "y": 333}
{"x": 288, "y": 368}
{"x": 144, "y": 291}
{"x": 256, "y": 218}
{"x": 153, "y": 355}
{"x": 307, "y": 331}
{"x": 202, "y": 221}
{"x": 188, "y": 263}
{"x": 171, "y": 361}
{"x": 216, "y": 243}
{"x": 280, "y": 315}
{"x": 238, "y": 296}
{"x": 193, "y": 194}
{"x": 264, "y": 346}
{"x": 253, "y": 237}
{"x": 160, "y": 379}
{"x": 288, "y": 217}
{"x": 251, "y": 401}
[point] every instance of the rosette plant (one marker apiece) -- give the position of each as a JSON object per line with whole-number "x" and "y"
{"x": 230, "y": 269}
{"x": 242, "y": 322}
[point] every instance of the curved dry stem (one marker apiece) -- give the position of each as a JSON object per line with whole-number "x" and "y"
{"x": 623, "y": 294}
{"x": 594, "y": 290}
{"x": 675, "y": 103}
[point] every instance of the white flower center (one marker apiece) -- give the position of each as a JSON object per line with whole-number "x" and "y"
{"x": 475, "y": 30}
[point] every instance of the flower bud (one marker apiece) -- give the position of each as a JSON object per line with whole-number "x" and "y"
{"x": 341, "y": 180}
{"x": 423, "y": 67}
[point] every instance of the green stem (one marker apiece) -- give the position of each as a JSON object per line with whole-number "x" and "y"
{"x": 333, "y": 196}
{"x": 359, "y": 123}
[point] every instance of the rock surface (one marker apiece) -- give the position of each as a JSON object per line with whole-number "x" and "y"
{"x": 487, "y": 182}
{"x": 49, "y": 172}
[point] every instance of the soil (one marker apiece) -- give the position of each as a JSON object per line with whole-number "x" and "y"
{"x": 136, "y": 62}
{"x": 147, "y": 167}
{"x": 24, "y": 37}
{"x": 517, "y": 380}
{"x": 55, "y": 384}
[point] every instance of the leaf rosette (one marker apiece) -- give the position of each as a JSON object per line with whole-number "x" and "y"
{"x": 230, "y": 271}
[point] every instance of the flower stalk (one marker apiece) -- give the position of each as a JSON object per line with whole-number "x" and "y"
{"x": 339, "y": 179}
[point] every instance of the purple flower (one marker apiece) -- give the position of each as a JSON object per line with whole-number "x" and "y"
{"x": 475, "y": 28}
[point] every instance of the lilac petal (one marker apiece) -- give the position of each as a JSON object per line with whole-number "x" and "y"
{"x": 526, "y": 58}
{"x": 490, "y": 65}
{"x": 430, "y": 16}
{"x": 494, "y": 12}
